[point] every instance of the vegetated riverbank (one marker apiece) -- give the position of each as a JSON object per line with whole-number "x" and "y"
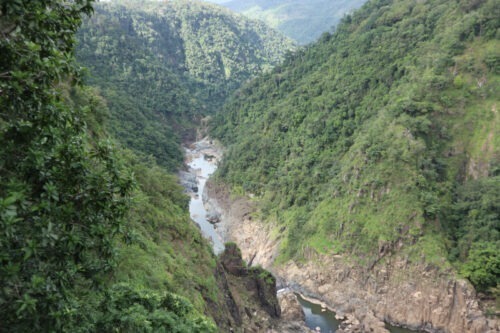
{"x": 396, "y": 289}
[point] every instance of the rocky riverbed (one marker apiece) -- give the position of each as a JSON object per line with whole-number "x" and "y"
{"x": 201, "y": 161}
{"x": 396, "y": 290}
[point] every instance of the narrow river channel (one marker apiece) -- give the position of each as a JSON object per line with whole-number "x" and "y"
{"x": 201, "y": 158}
{"x": 316, "y": 316}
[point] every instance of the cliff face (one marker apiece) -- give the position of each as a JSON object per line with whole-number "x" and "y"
{"x": 397, "y": 291}
{"x": 251, "y": 303}
{"x": 394, "y": 289}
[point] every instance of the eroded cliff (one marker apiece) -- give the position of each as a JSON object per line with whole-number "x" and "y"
{"x": 396, "y": 288}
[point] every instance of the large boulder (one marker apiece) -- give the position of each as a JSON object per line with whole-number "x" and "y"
{"x": 188, "y": 181}
{"x": 213, "y": 217}
{"x": 291, "y": 310}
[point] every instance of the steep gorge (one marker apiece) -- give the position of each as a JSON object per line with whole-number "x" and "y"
{"x": 371, "y": 160}
{"x": 363, "y": 171}
{"x": 95, "y": 237}
{"x": 162, "y": 66}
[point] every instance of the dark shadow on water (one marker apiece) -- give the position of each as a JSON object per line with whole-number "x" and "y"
{"x": 316, "y": 318}
{"x": 326, "y": 321}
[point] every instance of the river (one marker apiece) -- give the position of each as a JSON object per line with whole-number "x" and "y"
{"x": 318, "y": 316}
{"x": 201, "y": 158}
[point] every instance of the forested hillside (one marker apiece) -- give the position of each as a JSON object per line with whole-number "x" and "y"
{"x": 69, "y": 206}
{"x": 379, "y": 138}
{"x": 163, "y": 65}
{"x": 381, "y": 135}
{"x": 93, "y": 238}
{"x": 301, "y": 20}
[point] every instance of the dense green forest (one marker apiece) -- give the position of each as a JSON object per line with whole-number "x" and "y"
{"x": 93, "y": 238}
{"x": 163, "y": 65}
{"x": 301, "y": 20}
{"x": 386, "y": 131}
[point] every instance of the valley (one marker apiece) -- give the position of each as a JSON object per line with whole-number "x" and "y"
{"x": 177, "y": 167}
{"x": 395, "y": 292}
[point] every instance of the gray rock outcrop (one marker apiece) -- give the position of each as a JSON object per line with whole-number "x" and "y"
{"x": 397, "y": 289}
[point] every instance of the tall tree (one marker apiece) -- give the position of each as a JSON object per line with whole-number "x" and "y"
{"x": 62, "y": 193}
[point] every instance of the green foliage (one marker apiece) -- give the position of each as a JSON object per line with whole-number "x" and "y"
{"x": 71, "y": 238}
{"x": 358, "y": 142}
{"x": 475, "y": 231}
{"x": 162, "y": 66}
{"x": 262, "y": 275}
{"x": 166, "y": 250}
{"x": 476, "y": 212}
{"x": 36, "y": 45}
{"x": 482, "y": 267}
{"x": 131, "y": 310}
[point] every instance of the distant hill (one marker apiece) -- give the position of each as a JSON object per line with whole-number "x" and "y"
{"x": 163, "y": 65}
{"x": 301, "y": 20}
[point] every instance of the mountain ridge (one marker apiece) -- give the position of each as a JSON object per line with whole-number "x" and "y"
{"x": 169, "y": 64}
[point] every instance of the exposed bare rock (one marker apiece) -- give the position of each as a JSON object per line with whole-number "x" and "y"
{"x": 396, "y": 289}
{"x": 213, "y": 217}
{"x": 292, "y": 315}
{"x": 291, "y": 310}
{"x": 232, "y": 261}
{"x": 188, "y": 181}
{"x": 231, "y": 316}
{"x": 264, "y": 283}
{"x": 254, "y": 240}
{"x": 250, "y": 293}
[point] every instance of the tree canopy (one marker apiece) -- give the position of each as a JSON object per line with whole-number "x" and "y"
{"x": 163, "y": 65}
{"x": 69, "y": 201}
